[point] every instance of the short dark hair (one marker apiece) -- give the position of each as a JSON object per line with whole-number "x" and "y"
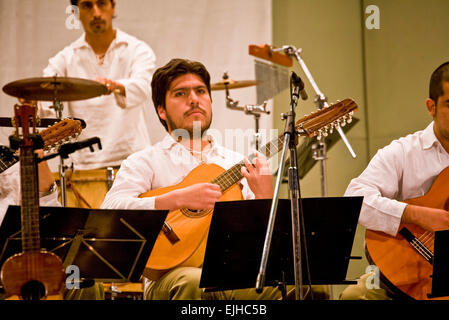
{"x": 436, "y": 81}
{"x": 164, "y": 76}
{"x": 75, "y": 2}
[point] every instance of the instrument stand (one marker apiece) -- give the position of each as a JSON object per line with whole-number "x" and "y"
{"x": 254, "y": 110}
{"x": 58, "y": 107}
{"x": 298, "y": 237}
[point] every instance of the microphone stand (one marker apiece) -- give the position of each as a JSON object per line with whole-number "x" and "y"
{"x": 290, "y": 142}
{"x": 319, "y": 148}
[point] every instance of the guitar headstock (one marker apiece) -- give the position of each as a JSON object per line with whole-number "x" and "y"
{"x": 25, "y": 118}
{"x": 323, "y": 121}
{"x": 60, "y": 132}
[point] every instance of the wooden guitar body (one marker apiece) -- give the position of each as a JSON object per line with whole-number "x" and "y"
{"x": 34, "y": 273}
{"x": 190, "y": 226}
{"x": 406, "y": 260}
{"x": 44, "y": 278}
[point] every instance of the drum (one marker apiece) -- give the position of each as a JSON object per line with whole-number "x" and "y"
{"x": 86, "y": 188}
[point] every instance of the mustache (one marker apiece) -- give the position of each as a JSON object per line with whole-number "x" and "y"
{"x": 97, "y": 20}
{"x": 194, "y": 109}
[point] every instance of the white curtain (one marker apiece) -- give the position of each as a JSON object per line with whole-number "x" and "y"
{"x": 214, "y": 32}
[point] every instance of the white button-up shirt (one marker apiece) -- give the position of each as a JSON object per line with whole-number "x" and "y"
{"x": 164, "y": 164}
{"x": 119, "y": 122}
{"x": 10, "y": 191}
{"x": 404, "y": 169}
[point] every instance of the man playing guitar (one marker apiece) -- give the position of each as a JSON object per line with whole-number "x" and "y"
{"x": 181, "y": 96}
{"x": 393, "y": 185}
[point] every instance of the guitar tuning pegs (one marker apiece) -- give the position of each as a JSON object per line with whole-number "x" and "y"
{"x": 349, "y": 119}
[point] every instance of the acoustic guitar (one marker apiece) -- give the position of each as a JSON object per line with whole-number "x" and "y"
{"x": 52, "y": 136}
{"x": 406, "y": 261}
{"x": 182, "y": 240}
{"x": 34, "y": 273}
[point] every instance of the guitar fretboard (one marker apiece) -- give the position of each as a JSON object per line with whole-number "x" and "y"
{"x": 234, "y": 174}
{"x": 30, "y": 201}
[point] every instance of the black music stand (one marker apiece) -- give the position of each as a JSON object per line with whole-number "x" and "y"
{"x": 236, "y": 238}
{"x": 440, "y": 275}
{"x": 106, "y": 245}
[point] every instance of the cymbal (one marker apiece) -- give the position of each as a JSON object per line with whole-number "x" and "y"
{"x": 51, "y": 88}
{"x": 233, "y": 84}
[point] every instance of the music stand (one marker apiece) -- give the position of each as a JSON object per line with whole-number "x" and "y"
{"x": 236, "y": 238}
{"x": 440, "y": 276}
{"x": 106, "y": 245}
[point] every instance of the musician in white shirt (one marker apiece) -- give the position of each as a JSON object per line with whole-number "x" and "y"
{"x": 403, "y": 170}
{"x": 181, "y": 95}
{"x": 120, "y": 118}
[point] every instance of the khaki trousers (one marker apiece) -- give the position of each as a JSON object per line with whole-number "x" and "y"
{"x": 183, "y": 284}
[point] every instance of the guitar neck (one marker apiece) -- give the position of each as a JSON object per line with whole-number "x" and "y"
{"x": 234, "y": 174}
{"x": 30, "y": 201}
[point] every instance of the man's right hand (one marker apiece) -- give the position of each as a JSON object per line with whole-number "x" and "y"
{"x": 430, "y": 219}
{"x": 198, "y": 196}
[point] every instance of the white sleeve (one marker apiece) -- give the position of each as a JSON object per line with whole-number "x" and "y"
{"x": 379, "y": 184}
{"x": 138, "y": 84}
{"x": 133, "y": 178}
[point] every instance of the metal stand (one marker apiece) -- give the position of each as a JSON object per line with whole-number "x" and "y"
{"x": 58, "y": 107}
{"x": 254, "y": 110}
{"x": 298, "y": 235}
{"x": 319, "y": 149}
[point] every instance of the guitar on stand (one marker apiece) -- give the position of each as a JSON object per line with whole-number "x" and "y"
{"x": 34, "y": 273}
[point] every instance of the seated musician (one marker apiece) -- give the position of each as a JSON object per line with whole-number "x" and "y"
{"x": 405, "y": 169}
{"x": 182, "y": 98}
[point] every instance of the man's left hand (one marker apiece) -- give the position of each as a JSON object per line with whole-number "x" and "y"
{"x": 113, "y": 86}
{"x": 259, "y": 176}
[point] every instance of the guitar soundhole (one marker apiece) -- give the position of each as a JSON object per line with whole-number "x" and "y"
{"x": 33, "y": 290}
{"x": 192, "y": 213}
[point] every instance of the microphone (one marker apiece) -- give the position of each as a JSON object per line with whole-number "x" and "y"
{"x": 298, "y": 87}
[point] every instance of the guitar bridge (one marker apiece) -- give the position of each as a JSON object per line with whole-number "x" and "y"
{"x": 169, "y": 233}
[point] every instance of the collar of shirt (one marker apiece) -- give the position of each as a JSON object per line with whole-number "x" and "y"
{"x": 428, "y": 137}
{"x": 169, "y": 142}
{"x": 120, "y": 37}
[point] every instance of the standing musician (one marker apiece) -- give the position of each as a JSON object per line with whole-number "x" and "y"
{"x": 124, "y": 65}
{"x": 182, "y": 99}
{"x": 405, "y": 169}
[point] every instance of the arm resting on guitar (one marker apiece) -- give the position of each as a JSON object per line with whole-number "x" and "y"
{"x": 430, "y": 219}
{"x": 197, "y": 196}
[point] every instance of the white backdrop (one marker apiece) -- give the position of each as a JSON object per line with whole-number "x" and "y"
{"x": 214, "y": 32}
